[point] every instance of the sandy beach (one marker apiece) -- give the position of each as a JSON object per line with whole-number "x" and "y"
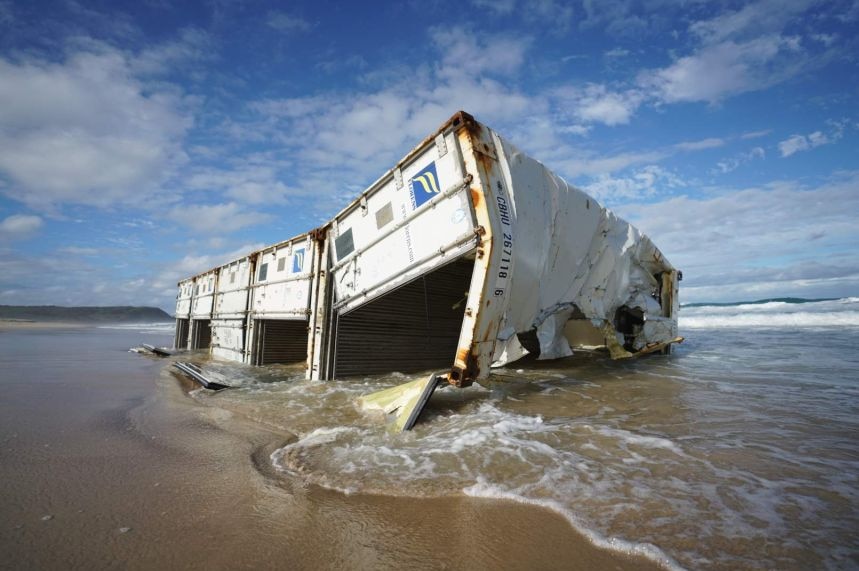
{"x": 107, "y": 462}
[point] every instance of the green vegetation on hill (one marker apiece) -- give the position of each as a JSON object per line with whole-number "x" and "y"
{"x": 116, "y": 314}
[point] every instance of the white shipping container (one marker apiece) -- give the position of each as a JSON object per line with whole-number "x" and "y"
{"x": 229, "y": 314}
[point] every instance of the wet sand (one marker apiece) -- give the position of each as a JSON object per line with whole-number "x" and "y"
{"x": 106, "y": 462}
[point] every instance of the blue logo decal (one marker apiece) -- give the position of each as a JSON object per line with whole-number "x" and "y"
{"x": 424, "y": 185}
{"x": 298, "y": 261}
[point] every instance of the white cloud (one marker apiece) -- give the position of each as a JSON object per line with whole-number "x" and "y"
{"x": 646, "y": 182}
{"x": 245, "y": 182}
{"x": 710, "y": 143}
{"x": 580, "y": 130}
{"x": 497, "y": 6}
{"x": 619, "y": 17}
{"x": 753, "y": 19}
{"x": 553, "y": 15}
{"x": 732, "y": 163}
{"x": 86, "y": 131}
{"x": 825, "y": 39}
{"x": 216, "y": 218}
{"x": 191, "y": 47}
{"x": 557, "y": 15}
{"x": 168, "y": 276}
{"x": 793, "y": 144}
{"x": 467, "y": 53}
{"x": 19, "y": 226}
{"x": 597, "y": 104}
{"x": 578, "y": 164}
{"x": 79, "y": 251}
{"x": 797, "y": 143}
{"x": 755, "y": 134}
{"x": 287, "y": 23}
{"x": 818, "y": 138}
{"x": 715, "y": 238}
{"x": 616, "y": 53}
{"x": 728, "y": 68}
{"x": 340, "y": 142}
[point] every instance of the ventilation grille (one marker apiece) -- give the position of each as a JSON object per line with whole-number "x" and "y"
{"x": 180, "y": 341}
{"x": 413, "y": 328}
{"x": 280, "y": 341}
{"x": 202, "y": 334}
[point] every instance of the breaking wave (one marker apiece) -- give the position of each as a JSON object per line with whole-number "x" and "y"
{"x": 842, "y": 312}
{"x": 159, "y": 327}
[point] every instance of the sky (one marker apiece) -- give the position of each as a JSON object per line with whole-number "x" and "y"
{"x": 148, "y": 141}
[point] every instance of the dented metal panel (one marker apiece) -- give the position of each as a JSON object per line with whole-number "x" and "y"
{"x": 566, "y": 257}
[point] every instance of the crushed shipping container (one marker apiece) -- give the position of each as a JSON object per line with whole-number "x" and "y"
{"x": 470, "y": 253}
{"x": 467, "y": 254}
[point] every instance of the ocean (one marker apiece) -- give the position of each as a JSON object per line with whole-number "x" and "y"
{"x": 738, "y": 451}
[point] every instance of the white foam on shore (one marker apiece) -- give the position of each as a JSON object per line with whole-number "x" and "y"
{"x": 622, "y": 546}
{"x": 474, "y": 453}
{"x": 156, "y": 327}
{"x": 453, "y": 457}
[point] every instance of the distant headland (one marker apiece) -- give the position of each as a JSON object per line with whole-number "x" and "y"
{"x": 57, "y": 313}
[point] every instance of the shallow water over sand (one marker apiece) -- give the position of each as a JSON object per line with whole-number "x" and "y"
{"x": 107, "y": 463}
{"x": 738, "y": 451}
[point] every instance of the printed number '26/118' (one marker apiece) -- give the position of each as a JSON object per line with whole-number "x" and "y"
{"x": 506, "y": 257}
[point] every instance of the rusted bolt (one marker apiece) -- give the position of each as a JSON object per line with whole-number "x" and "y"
{"x": 468, "y": 311}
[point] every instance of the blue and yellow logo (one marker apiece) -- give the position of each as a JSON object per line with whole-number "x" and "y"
{"x": 298, "y": 261}
{"x": 424, "y": 185}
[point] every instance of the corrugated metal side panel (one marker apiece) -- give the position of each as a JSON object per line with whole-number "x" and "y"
{"x": 413, "y": 328}
{"x": 180, "y": 340}
{"x": 202, "y": 334}
{"x": 281, "y": 341}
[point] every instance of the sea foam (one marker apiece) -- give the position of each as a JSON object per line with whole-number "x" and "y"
{"x": 775, "y": 314}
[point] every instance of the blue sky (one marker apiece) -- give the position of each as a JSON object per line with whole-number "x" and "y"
{"x": 144, "y": 142}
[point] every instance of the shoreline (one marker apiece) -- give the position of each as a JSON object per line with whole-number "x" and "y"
{"x": 24, "y": 324}
{"x": 110, "y": 463}
{"x": 484, "y": 532}
{"x": 513, "y": 532}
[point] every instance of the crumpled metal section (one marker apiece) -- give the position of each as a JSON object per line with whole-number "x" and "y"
{"x": 574, "y": 259}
